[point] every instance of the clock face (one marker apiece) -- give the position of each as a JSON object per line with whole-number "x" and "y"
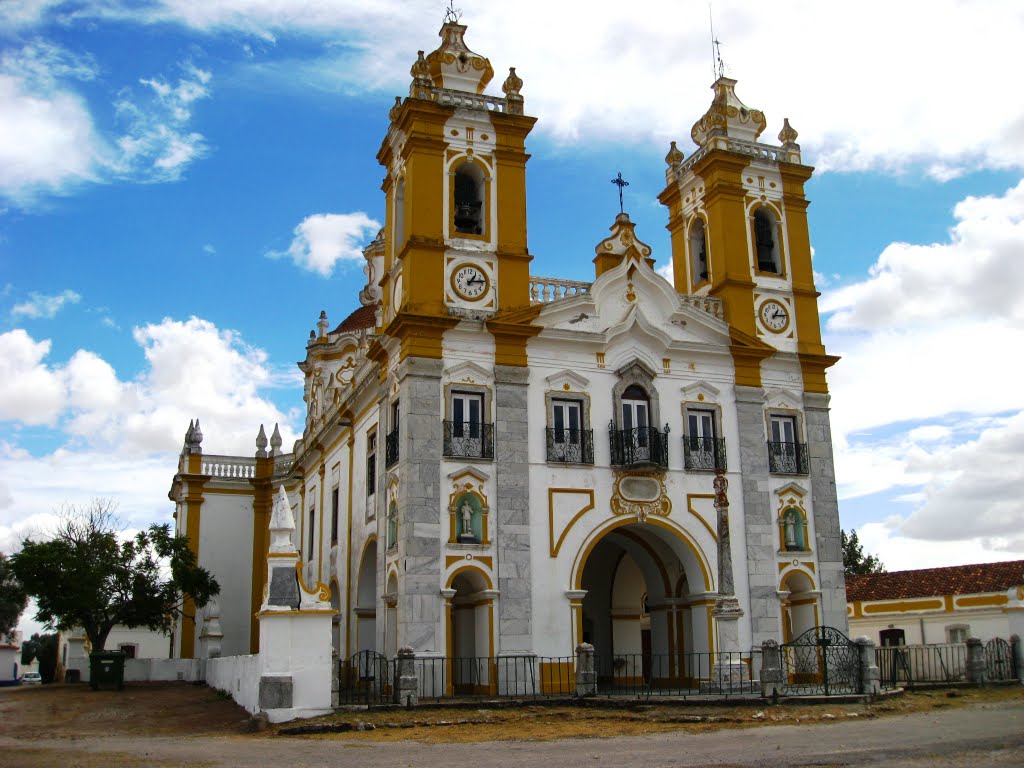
{"x": 470, "y": 282}
{"x": 774, "y": 316}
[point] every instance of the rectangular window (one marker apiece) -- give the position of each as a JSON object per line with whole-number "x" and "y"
{"x": 128, "y": 649}
{"x": 467, "y": 414}
{"x": 391, "y": 440}
{"x": 786, "y": 454}
{"x": 371, "y": 464}
{"x": 312, "y": 530}
{"x": 958, "y": 634}
{"x": 702, "y": 448}
{"x": 334, "y": 516}
{"x": 566, "y": 420}
{"x": 567, "y": 439}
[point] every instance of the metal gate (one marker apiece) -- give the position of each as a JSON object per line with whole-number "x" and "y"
{"x": 999, "y": 661}
{"x": 365, "y": 678}
{"x": 822, "y": 661}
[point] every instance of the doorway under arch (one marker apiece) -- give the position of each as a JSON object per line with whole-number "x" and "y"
{"x": 366, "y": 599}
{"x": 645, "y": 610}
{"x": 470, "y": 643}
{"x": 799, "y": 607}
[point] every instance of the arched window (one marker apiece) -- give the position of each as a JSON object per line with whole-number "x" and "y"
{"x": 698, "y": 252}
{"x": 766, "y": 241}
{"x": 399, "y": 214}
{"x": 469, "y": 197}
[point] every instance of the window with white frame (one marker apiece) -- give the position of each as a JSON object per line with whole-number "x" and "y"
{"x": 787, "y": 455}
{"x": 957, "y": 633}
{"x": 467, "y": 431}
{"x": 703, "y": 448}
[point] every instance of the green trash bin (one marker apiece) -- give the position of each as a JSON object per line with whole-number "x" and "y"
{"x": 106, "y": 668}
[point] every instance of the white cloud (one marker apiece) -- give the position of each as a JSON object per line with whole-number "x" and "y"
{"x": 324, "y": 239}
{"x": 924, "y": 399}
{"x": 42, "y": 306}
{"x": 609, "y": 66}
{"x": 979, "y": 273}
{"x": 158, "y": 145}
{"x": 30, "y": 392}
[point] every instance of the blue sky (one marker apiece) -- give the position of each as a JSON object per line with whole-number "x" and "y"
{"x": 184, "y": 186}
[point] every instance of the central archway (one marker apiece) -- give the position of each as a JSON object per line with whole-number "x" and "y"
{"x": 646, "y": 608}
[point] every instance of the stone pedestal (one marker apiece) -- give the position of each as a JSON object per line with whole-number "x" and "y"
{"x": 729, "y": 673}
{"x": 772, "y": 673}
{"x": 976, "y": 666}
{"x": 869, "y": 675}
{"x": 406, "y": 683}
{"x": 586, "y": 676}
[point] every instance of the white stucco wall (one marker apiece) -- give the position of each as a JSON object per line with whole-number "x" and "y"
{"x": 239, "y": 676}
{"x": 225, "y": 549}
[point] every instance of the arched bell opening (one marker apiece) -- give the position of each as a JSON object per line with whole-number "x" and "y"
{"x": 698, "y": 253}
{"x": 366, "y": 599}
{"x": 468, "y": 198}
{"x": 638, "y": 613}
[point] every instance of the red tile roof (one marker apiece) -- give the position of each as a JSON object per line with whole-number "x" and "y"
{"x": 927, "y": 582}
{"x": 364, "y": 317}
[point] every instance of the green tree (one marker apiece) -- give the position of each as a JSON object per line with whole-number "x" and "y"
{"x": 855, "y": 562}
{"x": 85, "y": 576}
{"x": 13, "y": 598}
{"x": 44, "y": 648}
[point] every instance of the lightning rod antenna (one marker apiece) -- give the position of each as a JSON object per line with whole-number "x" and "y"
{"x": 717, "y": 65}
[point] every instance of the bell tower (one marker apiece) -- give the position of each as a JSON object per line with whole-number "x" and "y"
{"x": 455, "y": 223}
{"x": 738, "y": 223}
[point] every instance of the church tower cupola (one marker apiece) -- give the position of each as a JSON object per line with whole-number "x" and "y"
{"x": 728, "y": 117}
{"x": 453, "y": 66}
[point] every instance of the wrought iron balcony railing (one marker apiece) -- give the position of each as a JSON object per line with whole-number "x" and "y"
{"x": 787, "y": 458}
{"x": 640, "y": 446}
{"x": 468, "y": 439}
{"x": 570, "y": 446}
{"x": 704, "y": 453}
{"x": 391, "y": 448}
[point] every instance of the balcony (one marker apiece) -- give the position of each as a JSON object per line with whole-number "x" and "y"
{"x": 468, "y": 440}
{"x": 643, "y": 446}
{"x": 391, "y": 448}
{"x": 707, "y": 453}
{"x": 570, "y": 446}
{"x": 787, "y": 458}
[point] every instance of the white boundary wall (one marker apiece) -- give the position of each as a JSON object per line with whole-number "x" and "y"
{"x": 239, "y": 676}
{"x": 160, "y": 670}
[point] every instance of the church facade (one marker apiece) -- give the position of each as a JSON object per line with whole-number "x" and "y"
{"x": 495, "y": 463}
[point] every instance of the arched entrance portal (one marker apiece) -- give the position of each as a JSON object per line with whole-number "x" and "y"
{"x": 799, "y": 605}
{"x": 469, "y": 632}
{"x": 366, "y": 600}
{"x": 646, "y": 610}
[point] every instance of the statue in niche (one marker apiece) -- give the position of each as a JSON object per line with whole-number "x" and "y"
{"x": 466, "y": 512}
{"x": 392, "y": 525}
{"x": 793, "y": 529}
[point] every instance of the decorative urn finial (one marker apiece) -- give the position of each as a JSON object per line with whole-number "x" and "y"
{"x": 396, "y": 110}
{"x": 512, "y": 86}
{"x": 276, "y": 442}
{"x": 261, "y": 444}
{"x": 788, "y": 134}
{"x": 421, "y": 80}
{"x": 674, "y": 156}
{"x": 322, "y": 324}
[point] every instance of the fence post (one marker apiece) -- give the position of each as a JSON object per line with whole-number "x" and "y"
{"x": 1017, "y": 651}
{"x": 771, "y": 668}
{"x": 586, "y": 677}
{"x": 869, "y": 675}
{"x": 406, "y": 684}
{"x": 976, "y": 666}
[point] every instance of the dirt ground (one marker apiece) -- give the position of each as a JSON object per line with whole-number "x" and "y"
{"x": 168, "y": 709}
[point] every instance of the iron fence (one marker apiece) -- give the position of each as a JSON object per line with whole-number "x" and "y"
{"x": 821, "y": 661}
{"x": 640, "y": 446}
{"x": 1000, "y": 661}
{"x": 678, "y": 675}
{"x": 787, "y": 458}
{"x": 495, "y": 677}
{"x": 910, "y": 665}
{"x": 468, "y": 439}
{"x": 391, "y": 448}
{"x": 570, "y": 446}
{"x": 366, "y": 677}
{"x": 704, "y": 453}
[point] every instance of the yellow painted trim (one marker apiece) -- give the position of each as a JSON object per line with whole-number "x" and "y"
{"x": 948, "y": 601}
{"x": 980, "y": 601}
{"x": 320, "y": 548}
{"x": 451, "y": 560}
{"x": 193, "y": 520}
{"x": 555, "y": 546}
{"x": 689, "y": 508}
{"x": 901, "y": 606}
{"x": 598, "y": 533}
{"x": 466, "y": 568}
{"x": 348, "y": 545}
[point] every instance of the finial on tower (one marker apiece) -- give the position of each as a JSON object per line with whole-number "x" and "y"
{"x": 620, "y": 183}
{"x": 511, "y": 87}
{"x": 452, "y": 15}
{"x": 276, "y": 442}
{"x": 788, "y": 134}
{"x": 322, "y": 324}
{"x": 675, "y": 156}
{"x": 261, "y": 444}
